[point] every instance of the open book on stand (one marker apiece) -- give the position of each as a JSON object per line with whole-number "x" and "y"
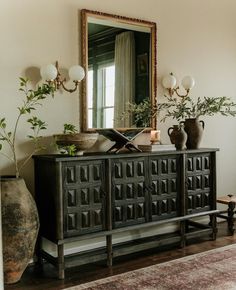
{"x": 156, "y": 147}
{"x": 122, "y": 139}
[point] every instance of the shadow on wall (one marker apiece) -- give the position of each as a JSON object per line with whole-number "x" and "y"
{"x": 33, "y": 74}
{"x": 7, "y": 170}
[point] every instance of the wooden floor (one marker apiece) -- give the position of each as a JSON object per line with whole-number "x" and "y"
{"x": 37, "y": 278}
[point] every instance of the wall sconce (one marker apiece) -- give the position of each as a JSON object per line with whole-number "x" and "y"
{"x": 169, "y": 83}
{"x": 52, "y": 75}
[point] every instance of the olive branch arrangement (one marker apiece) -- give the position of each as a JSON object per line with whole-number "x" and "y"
{"x": 33, "y": 99}
{"x": 187, "y": 107}
{"x": 179, "y": 109}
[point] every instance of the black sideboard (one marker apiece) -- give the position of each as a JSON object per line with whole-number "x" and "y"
{"x": 84, "y": 197}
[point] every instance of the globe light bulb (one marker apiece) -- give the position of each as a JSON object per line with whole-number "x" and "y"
{"x": 76, "y": 73}
{"x": 188, "y": 82}
{"x": 169, "y": 82}
{"x": 48, "y": 72}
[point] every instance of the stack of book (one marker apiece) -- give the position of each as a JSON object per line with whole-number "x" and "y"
{"x": 156, "y": 147}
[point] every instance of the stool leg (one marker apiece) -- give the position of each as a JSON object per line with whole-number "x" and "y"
{"x": 231, "y": 208}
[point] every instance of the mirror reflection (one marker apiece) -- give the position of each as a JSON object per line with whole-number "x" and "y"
{"x": 119, "y": 58}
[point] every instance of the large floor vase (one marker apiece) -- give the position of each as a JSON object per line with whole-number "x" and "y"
{"x": 20, "y": 224}
{"x": 194, "y": 129}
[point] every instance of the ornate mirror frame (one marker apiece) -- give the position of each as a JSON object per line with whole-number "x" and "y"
{"x": 85, "y": 14}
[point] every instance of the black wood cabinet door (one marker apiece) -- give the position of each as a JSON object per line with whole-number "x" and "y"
{"x": 84, "y": 198}
{"x": 199, "y": 184}
{"x": 129, "y": 192}
{"x": 144, "y": 189}
{"x": 164, "y": 184}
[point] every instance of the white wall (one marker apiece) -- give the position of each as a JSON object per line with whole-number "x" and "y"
{"x": 195, "y": 37}
{"x": 1, "y": 262}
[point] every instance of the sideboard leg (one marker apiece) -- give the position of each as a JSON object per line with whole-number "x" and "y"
{"x": 186, "y": 226}
{"x": 231, "y": 208}
{"x": 109, "y": 250}
{"x": 182, "y": 233}
{"x": 61, "y": 261}
{"x": 38, "y": 247}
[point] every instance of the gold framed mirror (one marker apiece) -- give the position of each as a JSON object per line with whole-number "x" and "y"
{"x": 119, "y": 57}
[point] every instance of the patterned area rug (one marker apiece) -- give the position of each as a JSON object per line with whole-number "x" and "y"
{"x": 211, "y": 270}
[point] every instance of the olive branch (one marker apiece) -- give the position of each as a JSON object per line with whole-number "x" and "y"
{"x": 33, "y": 99}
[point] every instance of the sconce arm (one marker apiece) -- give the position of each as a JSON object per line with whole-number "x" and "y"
{"x": 179, "y": 95}
{"x": 53, "y": 77}
{"x": 70, "y": 90}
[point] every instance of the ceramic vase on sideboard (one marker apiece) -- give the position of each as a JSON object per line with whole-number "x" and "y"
{"x": 194, "y": 129}
{"x": 178, "y": 136}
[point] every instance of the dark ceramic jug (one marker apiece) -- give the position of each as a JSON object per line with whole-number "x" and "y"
{"x": 177, "y": 136}
{"x": 194, "y": 129}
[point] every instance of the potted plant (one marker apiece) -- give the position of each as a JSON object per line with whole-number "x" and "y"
{"x": 188, "y": 111}
{"x": 20, "y": 221}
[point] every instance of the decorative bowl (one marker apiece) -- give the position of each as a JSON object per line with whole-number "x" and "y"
{"x": 82, "y": 141}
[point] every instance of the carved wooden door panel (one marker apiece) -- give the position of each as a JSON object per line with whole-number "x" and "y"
{"x": 84, "y": 200}
{"x": 129, "y": 194}
{"x": 199, "y": 182}
{"x": 164, "y": 186}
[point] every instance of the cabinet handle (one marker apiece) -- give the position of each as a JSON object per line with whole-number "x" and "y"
{"x": 187, "y": 183}
{"x": 148, "y": 188}
{"x": 102, "y": 193}
{"x": 151, "y": 188}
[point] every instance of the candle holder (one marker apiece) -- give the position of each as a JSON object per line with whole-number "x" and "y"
{"x": 155, "y": 137}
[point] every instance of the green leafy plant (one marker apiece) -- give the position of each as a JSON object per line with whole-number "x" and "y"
{"x": 142, "y": 113}
{"x": 179, "y": 109}
{"x": 69, "y": 129}
{"x": 33, "y": 99}
{"x": 187, "y": 107}
{"x": 68, "y": 149}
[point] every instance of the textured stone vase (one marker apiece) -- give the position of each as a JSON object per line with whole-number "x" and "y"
{"x": 194, "y": 129}
{"x": 20, "y": 224}
{"x": 178, "y": 136}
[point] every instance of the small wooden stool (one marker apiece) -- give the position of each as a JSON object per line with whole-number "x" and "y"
{"x": 230, "y": 200}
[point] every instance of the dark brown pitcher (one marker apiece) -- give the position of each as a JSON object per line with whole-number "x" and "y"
{"x": 194, "y": 129}
{"x": 177, "y": 136}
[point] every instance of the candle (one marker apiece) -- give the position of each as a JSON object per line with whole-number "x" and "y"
{"x": 155, "y": 136}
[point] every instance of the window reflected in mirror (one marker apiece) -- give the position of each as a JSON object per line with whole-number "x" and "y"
{"x": 101, "y": 95}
